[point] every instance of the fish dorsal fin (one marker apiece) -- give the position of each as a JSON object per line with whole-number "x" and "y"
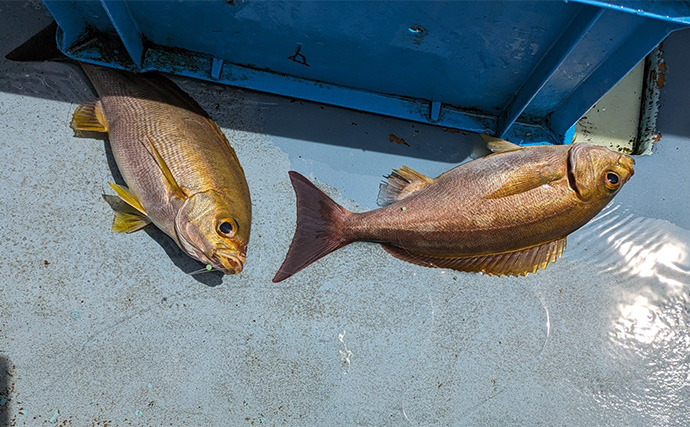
{"x": 497, "y": 145}
{"x": 400, "y": 184}
{"x": 514, "y": 263}
{"x": 521, "y": 181}
{"x": 169, "y": 178}
{"x": 128, "y": 222}
{"x": 89, "y": 117}
{"x": 128, "y": 198}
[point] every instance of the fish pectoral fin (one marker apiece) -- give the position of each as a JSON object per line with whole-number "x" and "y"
{"x": 170, "y": 179}
{"x": 514, "y": 263}
{"x": 497, "y": 144}
{"x": 128, "y": 198}
{"x": 89, "y": 117}
{"x": 522, "y": 181}
{"x": 128, "y": 222}
{"x": 400, "y": 184}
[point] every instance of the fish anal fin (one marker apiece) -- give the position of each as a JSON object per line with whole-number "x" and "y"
{"x": 400, "y": 184}
{"x": 128, "y": 197}
{"x": 169, "y": 178}
{"x": 513, "y": 263}
{"x": 522, "y": 181}
{"x": 89, "y": 117}
{"x": 497, "y": 144}
{"x": 128, "y": 222}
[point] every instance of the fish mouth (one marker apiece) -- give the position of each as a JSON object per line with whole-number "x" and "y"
{"x": 228, "y": 262}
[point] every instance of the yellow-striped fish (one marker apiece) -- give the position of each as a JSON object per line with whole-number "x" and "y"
{"x": 181, "y": 172}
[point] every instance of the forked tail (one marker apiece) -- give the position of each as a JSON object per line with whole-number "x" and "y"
{"x": 319, "y": 228}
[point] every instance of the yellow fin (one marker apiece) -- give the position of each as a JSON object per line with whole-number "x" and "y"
{"x": 400, "y": 184}
{"x": 128, "y": 197}
{"x": 521, "y": 181}
{"x": 497, "y": 144}
{"x": 174, "y": 186}
{"x": 128, "y": 222}
{"x": 514, "y": 263}
{"x": 89, "y": 117}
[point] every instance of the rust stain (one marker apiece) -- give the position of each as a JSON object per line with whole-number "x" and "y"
{"x": 661, "y": 81}
{"x": 656, "y": 137}
{"x": 450, "y": 130}
{"x": 397, "y": 140}
{"x": 660, "y": 76}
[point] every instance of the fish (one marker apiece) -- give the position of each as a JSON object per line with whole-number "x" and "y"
{"x": 508, "y": 213}
{"x": 181, "y": 173}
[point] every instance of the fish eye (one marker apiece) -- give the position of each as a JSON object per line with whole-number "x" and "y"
{"x": 227, "y": 227}
{"x": 612, "y": 180}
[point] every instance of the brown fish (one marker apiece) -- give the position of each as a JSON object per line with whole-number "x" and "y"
{"x": 182, "y": 174}
{"x": 505, "y": 214}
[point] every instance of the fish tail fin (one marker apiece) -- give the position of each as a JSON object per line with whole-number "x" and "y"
{"x": 319, "y": 229}
{"x": 42, "y": 46}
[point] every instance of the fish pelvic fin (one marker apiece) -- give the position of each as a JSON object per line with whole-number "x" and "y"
{"x": 129, "y": 222}
{"x": 127, "y": 218}
{"x": 497, "y": 144}
{"x": 172, "y": 183}
{"x": 89, "y": 117}
{"x": 400, "y": 184}
{"x": 513, "y": 263}
{"x": 128, "y": 198}
{"x": 319, "y": 229}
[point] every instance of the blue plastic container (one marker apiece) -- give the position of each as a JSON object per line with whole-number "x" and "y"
{"x": 521, "y": 70}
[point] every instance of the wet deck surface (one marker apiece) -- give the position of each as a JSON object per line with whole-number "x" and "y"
{"x": 106, "y": 329}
